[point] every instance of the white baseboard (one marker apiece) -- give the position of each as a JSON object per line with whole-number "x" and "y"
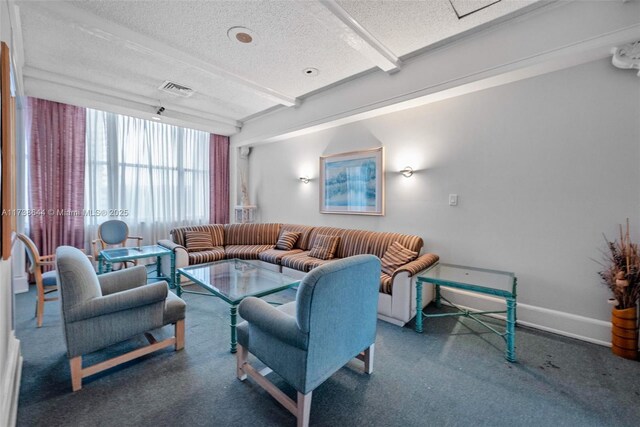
{"x": 10, "y": 383}
{"x": 20, "y": 284}
{"x": 558, "y": 322}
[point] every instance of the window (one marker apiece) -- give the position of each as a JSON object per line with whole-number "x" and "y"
{"x": 151, "y": 175}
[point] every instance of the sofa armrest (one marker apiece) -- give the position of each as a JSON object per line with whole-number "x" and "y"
{"x": 122, "y": 280}
{"x": 417, "y": 265}
{"x": 125, "y": 300}
{"x": 272, "y": 321}
{"x": 180, "y": 252}
{"x": 169, "y": 244}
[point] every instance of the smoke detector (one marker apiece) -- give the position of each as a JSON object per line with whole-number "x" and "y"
{"x": 176, "y": 89}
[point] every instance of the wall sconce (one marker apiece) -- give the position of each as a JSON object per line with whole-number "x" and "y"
{"x": 407, "y": 171}
{"x": 304, "y": 179}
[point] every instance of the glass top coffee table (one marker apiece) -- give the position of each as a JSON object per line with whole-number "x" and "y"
{"x": 232, "y": 280}
{"x": 489, "y": 282}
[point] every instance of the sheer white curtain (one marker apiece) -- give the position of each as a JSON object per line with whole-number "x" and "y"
{"x": 151, "y": 175}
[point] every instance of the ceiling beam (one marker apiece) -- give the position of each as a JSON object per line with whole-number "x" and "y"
{"x": 119, "y": 34}
{"x": 461, "y": 67}
{"x": 369, "y": 47}
{"x": 84, "y": 98}
{"x": 150, "y": 103}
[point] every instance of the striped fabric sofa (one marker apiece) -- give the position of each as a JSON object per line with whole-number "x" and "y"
{"x": 396, "y": 303}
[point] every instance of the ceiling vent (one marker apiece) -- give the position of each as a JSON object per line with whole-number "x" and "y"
{"x": 176, "y": 89}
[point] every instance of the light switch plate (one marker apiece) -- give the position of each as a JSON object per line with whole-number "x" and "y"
{"x": 453, "y": 200}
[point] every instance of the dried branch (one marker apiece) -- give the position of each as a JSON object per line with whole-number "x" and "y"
{"x": 622, "y": 270}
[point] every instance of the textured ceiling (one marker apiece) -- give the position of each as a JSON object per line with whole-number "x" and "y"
{"x": 408, "y": 26}
{"x": 126, "y": 49}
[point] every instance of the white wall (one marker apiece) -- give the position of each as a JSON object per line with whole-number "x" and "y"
{"x": 542, "y": 168}
{"x": 10, "y": 357}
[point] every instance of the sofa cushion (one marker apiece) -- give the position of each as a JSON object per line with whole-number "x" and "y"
{"x": 303, "y": 262}
{"x": 325, "y": 231}
{"x": 379, "y": 242}
{"x": 196, "y": 241}
{"x": 396, "y": 256}
{"x": 300, "y": 261}
{"x": 305, "y": 234}
{"x": 385, "y": 283}
{"x": 245, "y": 251}
{"x": 216, "y": 230}
{"x": 215, "y": 254}
{"x": 274, "y": 256}
{"x": 316, "y": 262}
{"x": 352, "y": 242}
{"x": 324, "y": 247}
{"x": 251, "y": 234}
{"x": 287, "y": 240}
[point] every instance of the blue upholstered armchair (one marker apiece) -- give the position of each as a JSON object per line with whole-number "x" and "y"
{"x": 98, "y": 311}
{"x": 305, "y": 341}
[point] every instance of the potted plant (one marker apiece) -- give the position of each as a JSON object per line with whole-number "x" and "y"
{"x": 622, "y": 275}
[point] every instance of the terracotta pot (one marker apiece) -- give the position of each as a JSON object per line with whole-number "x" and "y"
{"x": 624, "y": 333}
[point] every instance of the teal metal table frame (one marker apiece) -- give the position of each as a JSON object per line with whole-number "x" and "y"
{"x": 190, "y": 273}
{"x": 108, "y": 257}
{"x": 509, "y": 295}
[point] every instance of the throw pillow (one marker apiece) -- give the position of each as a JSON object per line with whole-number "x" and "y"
{"x": 324, "y": 247}
{"x": 396, "y": 256}
{"x": 197, "y": 241}
{"x": 287, "y": 240}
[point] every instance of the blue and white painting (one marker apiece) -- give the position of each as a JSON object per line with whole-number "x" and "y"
{"x": 352, "y": 183}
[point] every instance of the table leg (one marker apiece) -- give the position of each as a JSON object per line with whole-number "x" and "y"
{"x": 234, "y": 338}
{"x": 418, "y": 306}
{"x": 438, "y": 303}
{"x": 100, "y": 264}
{"x": 515, "y": 309}
{"x": 159, "y": 267}
{"x": 172, "y": 271}
{"x": 109, "y": 267}
{"x": 179, "y": 288}
{"x": 510, "y": 353}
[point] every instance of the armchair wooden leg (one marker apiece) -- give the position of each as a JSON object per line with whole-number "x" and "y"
{"x": 303, "y": 409}
{"x": 241, "y": 358}
{"x": 179, "y": 334}
{"x": 76, "y": 372}
{"x": 300, "y": 408}
{"x": 368, "y": 359}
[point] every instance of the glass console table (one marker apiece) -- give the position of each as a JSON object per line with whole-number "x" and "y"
{"x": 488, "y": 282}
{"x": 108, "y": 257}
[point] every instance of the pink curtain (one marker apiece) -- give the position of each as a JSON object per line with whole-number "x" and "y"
{"x": 219, "y": 179}
{"x": 56, "y": 173}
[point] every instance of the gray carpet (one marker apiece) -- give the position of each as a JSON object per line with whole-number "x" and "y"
{"x": 454, "y": 374}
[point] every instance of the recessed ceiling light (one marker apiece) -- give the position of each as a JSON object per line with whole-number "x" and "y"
{"x": 241, "y": 35}
{"x": 311, "y": 72}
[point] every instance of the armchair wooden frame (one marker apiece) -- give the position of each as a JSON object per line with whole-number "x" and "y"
{"x": 78, "y": 372}
{"x": 301, "y": 408}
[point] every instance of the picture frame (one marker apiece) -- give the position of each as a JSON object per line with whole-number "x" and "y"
{"x": 7, "y": 224}
{"x": 353, "y": 182}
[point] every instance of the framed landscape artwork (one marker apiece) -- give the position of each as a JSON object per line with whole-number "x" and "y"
{"x": 352, "y": 183}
